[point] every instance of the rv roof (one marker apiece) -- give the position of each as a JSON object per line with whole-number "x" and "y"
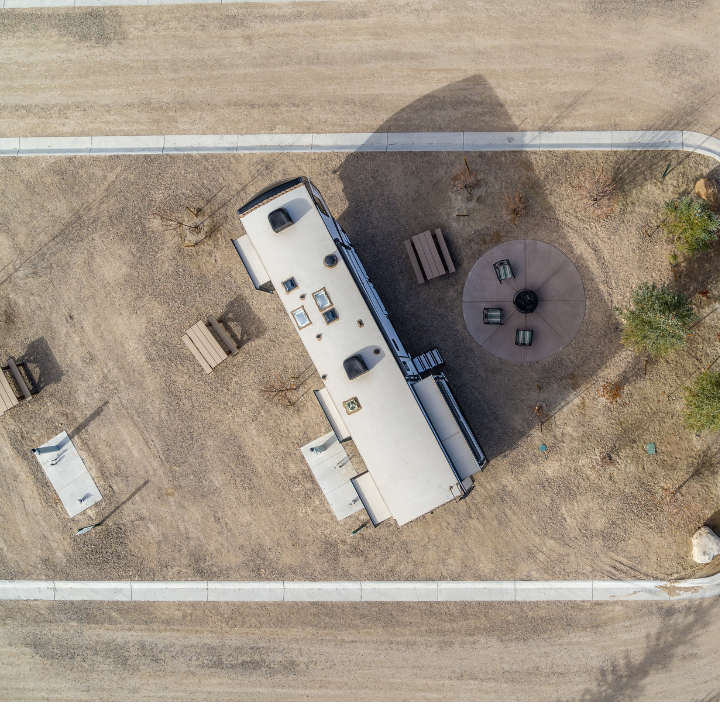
{"x": 268, "y": 192}
{"x": 389, "y": 428}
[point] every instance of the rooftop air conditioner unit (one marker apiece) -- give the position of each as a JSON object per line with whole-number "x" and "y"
{"x": 279, "y": 219}
{"x": 355, "y": 366}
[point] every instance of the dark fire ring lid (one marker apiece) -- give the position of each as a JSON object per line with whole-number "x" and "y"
{"x": 525, "y": 301}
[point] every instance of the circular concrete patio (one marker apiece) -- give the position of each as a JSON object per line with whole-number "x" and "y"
{"x": 550, "y": 275}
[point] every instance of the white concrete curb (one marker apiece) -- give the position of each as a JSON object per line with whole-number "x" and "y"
{"x": 21, "y": 4}
{"x": 361, "y": 591}
{"x": 365, "y": 142}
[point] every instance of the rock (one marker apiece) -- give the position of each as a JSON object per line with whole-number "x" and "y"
{"x": 709, "y": 190}
{"x": 706, "y": 545}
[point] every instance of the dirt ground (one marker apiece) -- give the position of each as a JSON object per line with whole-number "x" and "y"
{"x": 348, "y": 66}
{"x": 201, "y": 475}
{"x": 338, "y": 651}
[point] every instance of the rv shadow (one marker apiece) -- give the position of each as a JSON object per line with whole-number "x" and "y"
{"x": 388, "y": 202}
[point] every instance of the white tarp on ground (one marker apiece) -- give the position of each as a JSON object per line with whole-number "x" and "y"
{"x": 67, "y": 474}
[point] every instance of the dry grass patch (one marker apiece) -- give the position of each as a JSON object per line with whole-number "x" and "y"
{"x": 595, "y": 192}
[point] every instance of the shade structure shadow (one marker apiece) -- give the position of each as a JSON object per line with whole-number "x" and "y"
{"x": 391, "y": 197}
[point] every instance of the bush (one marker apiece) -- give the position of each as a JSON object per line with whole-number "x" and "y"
{"x": 595, "y": 191}
{"x": 691, "y": 223}
{"x": 658, "y": 321}
{"x": 702, "y": 402}
{"x": 515, "y": 205}
{"x": 464, "y": 182}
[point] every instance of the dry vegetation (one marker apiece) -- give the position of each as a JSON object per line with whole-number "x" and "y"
{"x": 515, "y": 205}
{"x": 282, "y": 388}
{"x": 595, "y": 192}
{"x": 195, "y": 222}
{"x": 464, "y": 181}
{"x": 611, "y": 392}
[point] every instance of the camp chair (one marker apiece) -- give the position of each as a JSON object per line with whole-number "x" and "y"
{"x": 523, "y": 337}
{"x": 491, "y": 316}
{"x": 503, "y": 270}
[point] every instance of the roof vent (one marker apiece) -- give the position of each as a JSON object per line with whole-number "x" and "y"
{"x": 355, "y": 366}
{"x": 279, "y": 219}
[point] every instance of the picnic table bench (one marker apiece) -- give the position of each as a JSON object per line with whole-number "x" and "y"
{"x": 206, "y": 349}
{"x": 8, "y": 398}
{"x": 423, "y": 248}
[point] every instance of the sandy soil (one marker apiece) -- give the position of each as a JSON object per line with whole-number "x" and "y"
{"x": 201, "y": 474}
{"x": 348, "y": 66}
{"x": 543, "y": 651}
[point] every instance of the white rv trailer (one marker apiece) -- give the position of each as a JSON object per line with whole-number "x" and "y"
{"x": 416, "y": 444}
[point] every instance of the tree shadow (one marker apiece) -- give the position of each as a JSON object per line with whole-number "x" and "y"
{"x": 622, "y": 679}
{"x": 698, "y": 273}
{"x": 241, "y": 322}
{"x": 632, "y": 169}
{"x": 46, "y": 370}
{"x": 388, "y": 203}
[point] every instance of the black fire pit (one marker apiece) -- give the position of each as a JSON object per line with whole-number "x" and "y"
{"x": 525, "y": 301}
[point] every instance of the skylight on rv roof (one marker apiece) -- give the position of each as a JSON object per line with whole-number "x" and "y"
{"x": 301, "y": 318}
{"x": 290, "y": 284}
{"x": 331, "y": 315}
{"x": 322, "y": 299}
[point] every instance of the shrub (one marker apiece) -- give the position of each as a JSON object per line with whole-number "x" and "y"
{"x": 702, "y": 402}
{"x": 595, "y": 192}
{"x": 464, "y": 182}
{"x": 611, "y": 392}
{"x": 658, "y": 321}
{"x": 691, "y": 223}
{"x": 515, "y": 205}
{"x": 282, "y": 389}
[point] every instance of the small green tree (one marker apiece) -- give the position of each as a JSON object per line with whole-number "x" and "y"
{"x": 702, "y": 403}
{"x": 658, "y": 321}
{"x": 691, "y": 223}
